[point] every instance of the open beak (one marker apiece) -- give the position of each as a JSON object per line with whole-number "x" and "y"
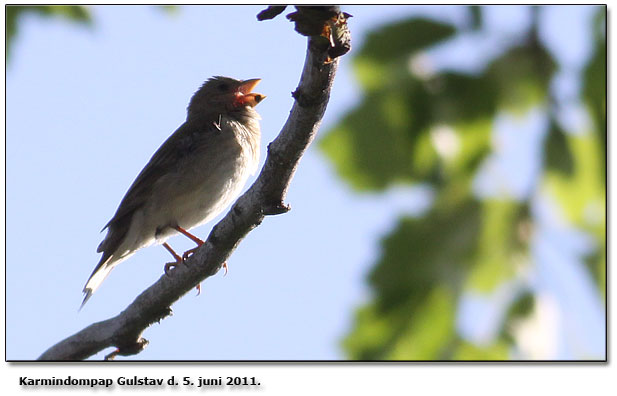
{"x": 244, "y": 96}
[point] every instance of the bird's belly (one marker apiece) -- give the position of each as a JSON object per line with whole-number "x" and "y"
{"x": 196, "y": 197}
{"x": 206, "y": 201}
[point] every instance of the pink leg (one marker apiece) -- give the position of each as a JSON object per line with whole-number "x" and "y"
{"x": 169, "y": 266}
{"x": 193, "y": 238}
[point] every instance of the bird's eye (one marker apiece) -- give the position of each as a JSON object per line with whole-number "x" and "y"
{"x": 223, "y": 87}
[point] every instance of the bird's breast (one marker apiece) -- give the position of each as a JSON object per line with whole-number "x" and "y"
{"x": 206, "y": 180}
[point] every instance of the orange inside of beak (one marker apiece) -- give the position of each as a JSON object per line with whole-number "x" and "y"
{"x": 244, "y": 96}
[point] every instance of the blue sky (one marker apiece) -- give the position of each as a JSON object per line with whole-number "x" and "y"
{"x": 87, "y": 107}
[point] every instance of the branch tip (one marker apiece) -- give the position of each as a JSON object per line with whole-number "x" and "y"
{"x": 275, "y": 209}
{"x": 130, "y": 349}
{"x": 270, "y": 13}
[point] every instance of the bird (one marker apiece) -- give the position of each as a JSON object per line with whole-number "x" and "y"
{"x": 193, "y": 176}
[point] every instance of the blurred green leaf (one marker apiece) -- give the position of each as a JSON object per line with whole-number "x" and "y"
{"x": 582, "y": 196}
{"x": 596, "y": 263}
{"x": 169, "y": 9}
{"x": 500, "y": 244}
{"x": 73, "y": 13}
{"x": 522, "y": 76}
{"x": 386, "y": 140}
{"x": 416, "y": 283}
{"x": 467, "y": 351}
{"x": 403, "y": 38}
{"x": 370, "y": 332}
{"x": 383, "y": 61}
{"x": 476, "y": 16}
{"x": 371, "y": 146}
{"x": 419, "y": 125}
{"x": 473, "y": 146}
{"x": 455, "y": 97}
{"x": 594, "y": 83}
{"x": 430, "y": 330}
{"x": 520, "y": 309}
{"x": 557, "y": 155}
{"x": 423, "y": 252}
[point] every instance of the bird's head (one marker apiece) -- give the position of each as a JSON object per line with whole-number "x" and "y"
{"x": 224, "y": 94}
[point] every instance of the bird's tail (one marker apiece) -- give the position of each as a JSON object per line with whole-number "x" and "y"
{"x": 101, "y": 271}
{"x": 88, "y": 294}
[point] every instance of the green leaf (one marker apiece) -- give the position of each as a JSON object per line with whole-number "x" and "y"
{"x": 499, "y": 246}
{"x": 422, "y": 253}
{"x": 78, "y": 14}
{"x": 436, "y": 129}
{"x": 367, "y": 339}
{"x": 430, "y": 330}
{"x": 594, "y": 84}
{"x": 520, "y": 309}
{"x": 416, "y": 283}
{"x": 522, "y": 76}
{"x": 582, "y": 196}
{"x": 403, "y": 38}
{"x": 557, "y": 155}
{"x": 596, "y": 263}
{"x": 382, "y": 62}
{"x": 457, "y": 97}
{"x": 474, "y": 140}
{"x": 476, "y": 16}
{"x": 385, "y": 140}
{"x": 371, "y": 147}
{"x": 497, "y": 351}
{"x": 404, "y": 333}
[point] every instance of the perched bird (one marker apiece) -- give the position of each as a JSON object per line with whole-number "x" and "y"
{"x": 198, "y": 171}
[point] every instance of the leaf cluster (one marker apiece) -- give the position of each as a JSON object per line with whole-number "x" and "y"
{"x": 418, "y": 125}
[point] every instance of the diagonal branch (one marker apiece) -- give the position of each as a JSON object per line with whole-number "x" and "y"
{"x": 265, "y": 197}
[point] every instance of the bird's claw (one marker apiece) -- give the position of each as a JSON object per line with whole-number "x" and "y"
{"x": 188, "y": 253}
{"x": 169, "y": 267}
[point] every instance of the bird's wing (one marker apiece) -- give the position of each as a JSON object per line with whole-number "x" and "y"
{"x": 163, "y": 160}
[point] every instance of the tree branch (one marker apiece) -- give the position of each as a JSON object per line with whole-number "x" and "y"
{"x": 265, "y": 197}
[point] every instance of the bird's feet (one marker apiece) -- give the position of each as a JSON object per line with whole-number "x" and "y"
{"x": 169, "y": 267}
{"x": 188, "y": 253}
{"x": 198, "y": 241}
{"x": 185, "y": 257}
